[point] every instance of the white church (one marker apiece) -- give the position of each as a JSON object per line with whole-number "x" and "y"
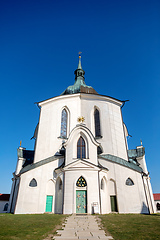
{"x": 81, "y": 162}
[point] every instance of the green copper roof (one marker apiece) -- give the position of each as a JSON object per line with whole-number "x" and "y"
{"x": 40, "y": 163}
{"x": 121, "y": 161}
{"x": 79, "y": 85}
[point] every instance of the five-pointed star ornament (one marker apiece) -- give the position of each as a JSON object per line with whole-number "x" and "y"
{"x": 81, "y": 119}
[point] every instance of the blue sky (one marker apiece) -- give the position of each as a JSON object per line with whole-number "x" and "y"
{"x": 39, "y": 45}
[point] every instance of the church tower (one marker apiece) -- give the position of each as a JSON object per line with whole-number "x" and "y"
{"x": 81, "y": 162}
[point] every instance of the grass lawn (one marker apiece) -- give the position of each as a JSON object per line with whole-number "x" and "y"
{"x": 132, "y": 226}
{"x": 29, "y": 226}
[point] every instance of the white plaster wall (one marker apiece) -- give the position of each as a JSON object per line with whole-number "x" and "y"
{"x": 142, "y": 162}
{"x": 130, "y": 199}
{"x": 20, "y": 162}
{"x": 113, "y": 140}
{"x": 105, "y": 198}
{"x": 149, "y": 194}
{"x": 33, "y": 199}
{"x": 48, "y": 142}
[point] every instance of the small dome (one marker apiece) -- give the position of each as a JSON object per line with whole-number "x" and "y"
{"x": 79, "y": 85}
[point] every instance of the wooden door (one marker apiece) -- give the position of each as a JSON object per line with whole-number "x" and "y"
{"x": 49, "y": 201}
{"x": 113, "y": 204}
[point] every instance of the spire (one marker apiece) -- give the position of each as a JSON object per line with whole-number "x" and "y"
{"x": 79, "y": 85}
{"x": 79, "y": 72}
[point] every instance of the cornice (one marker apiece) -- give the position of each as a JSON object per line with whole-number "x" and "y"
{"x": 83, "y": 96}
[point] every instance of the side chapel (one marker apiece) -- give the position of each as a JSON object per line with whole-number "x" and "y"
{"x": 81, "y": 162}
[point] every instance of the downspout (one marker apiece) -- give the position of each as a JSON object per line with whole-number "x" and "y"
{"x": 63, "y": 180}
{"x": 99, "y": 192}
{"x": 63, "y": 191}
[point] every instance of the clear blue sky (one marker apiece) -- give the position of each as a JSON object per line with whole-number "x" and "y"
{"x": 39, "y": 45}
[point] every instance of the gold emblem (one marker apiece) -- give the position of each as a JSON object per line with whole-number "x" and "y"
{"x": 80, "y": 119}
{"x": 78, "y": 196}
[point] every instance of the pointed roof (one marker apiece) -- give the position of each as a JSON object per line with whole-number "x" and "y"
{"x": 79, "y": 63}
{"x": 156, "y": 196}
{"x": 4, "y": 197}
{"x": 79, "y": 85}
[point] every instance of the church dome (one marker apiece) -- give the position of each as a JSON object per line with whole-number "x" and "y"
{"x": 79, "y": 85}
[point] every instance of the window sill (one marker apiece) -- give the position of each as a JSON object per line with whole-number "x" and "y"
{"x": 98, "y": 137}
{"x": 62, "y": 137}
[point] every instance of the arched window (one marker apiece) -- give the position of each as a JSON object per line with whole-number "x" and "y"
{"x": 97, "y": 123}
{"x": 5, "y": 207}
{"x": 129, "y": 182}
{"x": 102, "y": 184}
{"x": 81, "y": 148}
{"x": 33, "y": 183}
{"x": 158, "y": 206}
{"x": 81, "y": 182}
{"x": 60, "y": 184}
{"x": 64, "y": 123}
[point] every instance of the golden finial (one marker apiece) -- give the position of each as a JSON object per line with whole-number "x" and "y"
{"x": 20, "y": 143}
{"x": 80, "y": 119}
{"x": 79, "y": 54}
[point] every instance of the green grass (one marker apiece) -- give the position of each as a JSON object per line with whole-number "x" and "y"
{"x": 132, "y": 226}
{"x": 120, "y": 226}
{"x": 29, "y": 226}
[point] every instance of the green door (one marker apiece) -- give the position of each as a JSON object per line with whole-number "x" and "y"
{"x": 113, "y": 204}
{"x": 81, "y": 201}
{"x": 49, "y": 201}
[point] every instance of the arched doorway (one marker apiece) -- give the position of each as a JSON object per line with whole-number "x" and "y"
{"x": 113, "y": 195}
{"x": 103, "y": 191}
{"x": 81, "y": 195}
{"x": 50, "y": 192}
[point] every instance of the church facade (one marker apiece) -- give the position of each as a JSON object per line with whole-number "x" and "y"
{"x": 81, "y": 162}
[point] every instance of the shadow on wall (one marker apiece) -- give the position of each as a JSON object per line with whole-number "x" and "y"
{"x": 144, "y": 209}
{"x": 59, "y": 196}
